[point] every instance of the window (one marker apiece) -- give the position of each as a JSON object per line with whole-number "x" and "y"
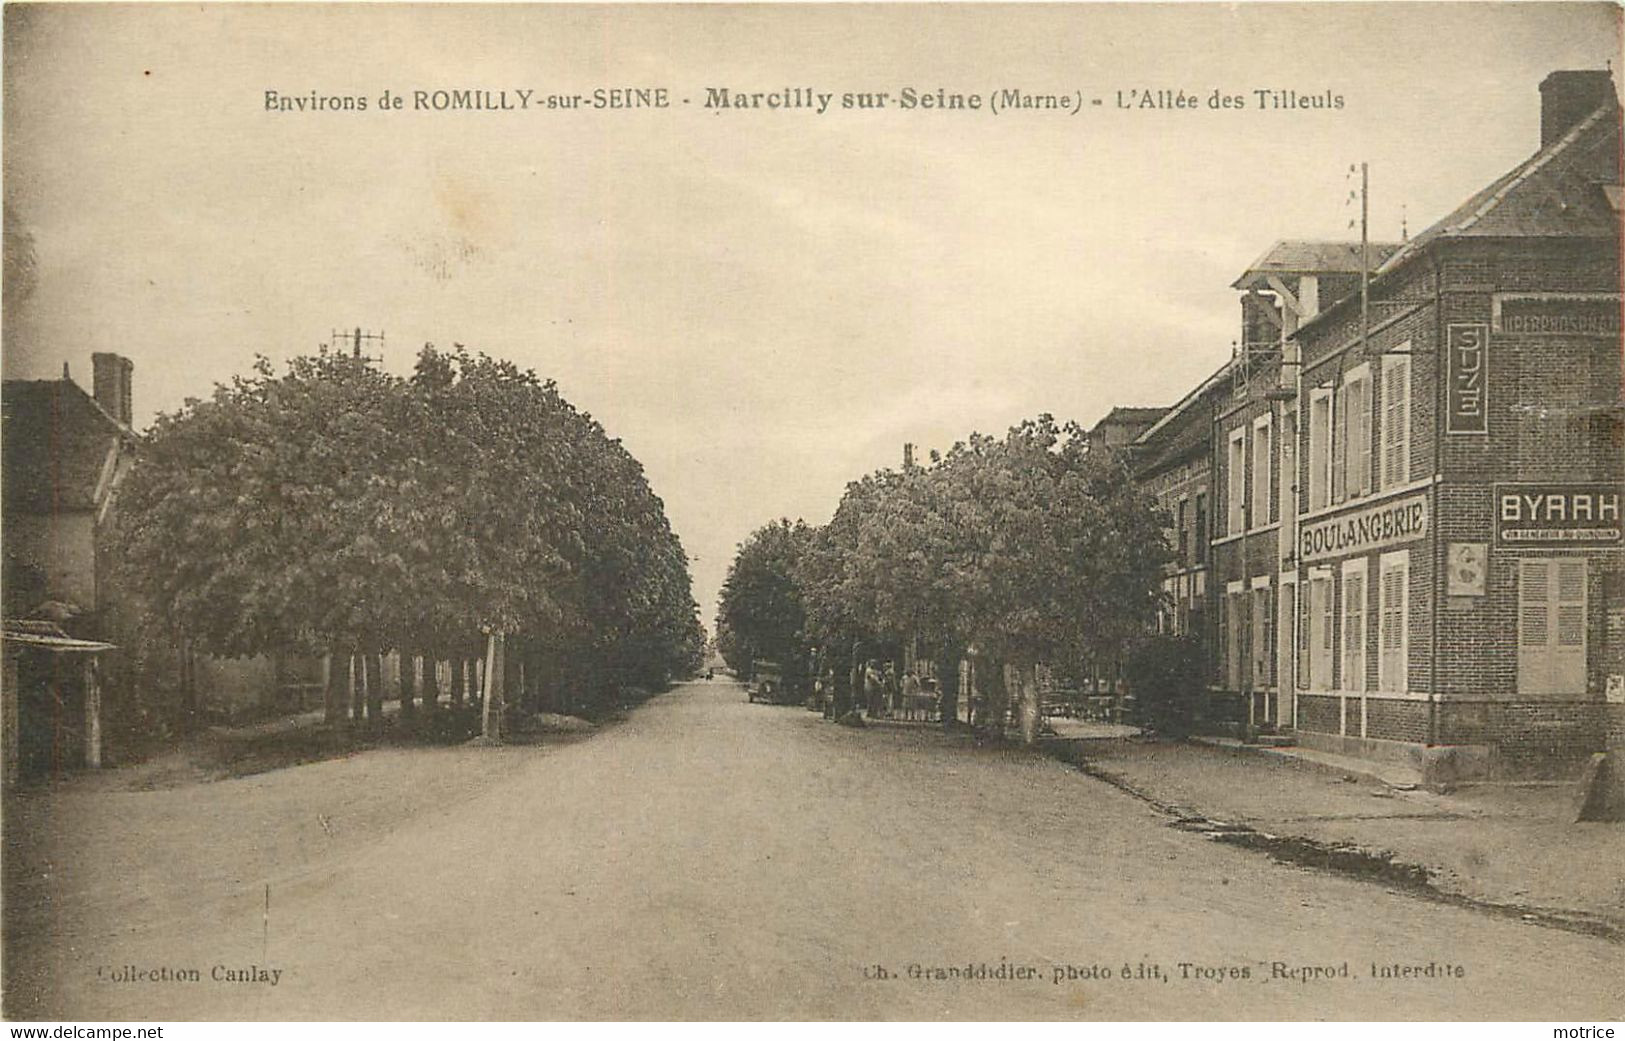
{"x": 1262, "y": 449}
{"x": 1393, "y": 621}
{"x": 1181, "y": 531}
{"x": 1551, "y": 626}
{"x": 1201, "y": 528}
{"x": 1396, "y": 419}
{"x": 1318, "y": 606}
{"x": 1236, "y": 483}
{"x": 1320, "y": 449}
{"x": 1262, "y": 619}
{"x": 1234, "y": 633}
{"x": 1354, "y": 635}
{"x": 1355, "y": 415}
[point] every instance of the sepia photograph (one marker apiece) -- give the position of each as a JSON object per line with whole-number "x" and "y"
{"x": 937, "y": 512}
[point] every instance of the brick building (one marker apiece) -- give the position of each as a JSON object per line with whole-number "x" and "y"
{"x": 1255, "y": 442}
{"x": 1459, "y": 455}
{"x": 1412, "y": 496}
{"x": 1173, "y": 460}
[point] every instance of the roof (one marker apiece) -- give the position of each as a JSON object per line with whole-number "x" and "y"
{"x": 1565, "y": 190}
{"x": 55, "y": 442}
{"x": 1559, "y": 191}
{"x": 1303, "y": 257}
{"x": 1133, "y": 414}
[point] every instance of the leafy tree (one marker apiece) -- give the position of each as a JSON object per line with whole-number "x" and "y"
{"x": 336, "y": 508}
{"x": 761, "y": 606}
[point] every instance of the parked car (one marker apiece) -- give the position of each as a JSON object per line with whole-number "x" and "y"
{"x": 766, "y": 682}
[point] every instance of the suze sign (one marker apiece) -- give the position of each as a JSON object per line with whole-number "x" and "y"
{"x": 1377, "y": 527}
{"x": 1558, "y": 516}
{"x": 1467, "y": 363}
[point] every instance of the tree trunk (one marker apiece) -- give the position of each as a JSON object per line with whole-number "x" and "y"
{"x": 375, "y": 689}
{"x": 948, "y": 687}
{"x": 1031, "y": 710}
{"x": 996, "y": 702}
{"x": 409, "y": 683}
{"x": 457, "y": 683}
{"x": 533, "y": 680}
{"x": 337, "y": 694}
{"x": 358, "y": 688}
{"x": 491, "y": 718}
{"x": 431, "y": 685}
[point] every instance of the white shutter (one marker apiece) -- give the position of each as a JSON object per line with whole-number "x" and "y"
{"x": 1551, "y": 626}
{"x": 1353, "y": 631}
{"x": 1392, "y": 638}
{"x": 1396, "y": 421}
{"x": 1339, "y": 446}
{"x": 1321, "y": 608}
{"x": 1360, "y": 438}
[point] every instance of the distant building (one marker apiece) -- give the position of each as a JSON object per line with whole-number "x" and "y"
{"x": 65, "y": 453}
{"x": 1121, "y": 426}
{"x": 1173, "y": 461}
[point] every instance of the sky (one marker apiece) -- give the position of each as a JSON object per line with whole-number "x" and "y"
{"x": 762, "y": 304}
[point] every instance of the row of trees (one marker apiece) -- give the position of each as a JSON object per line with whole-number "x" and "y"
{"x": 465, "y": 512}
{"x": 1010, "y": 551}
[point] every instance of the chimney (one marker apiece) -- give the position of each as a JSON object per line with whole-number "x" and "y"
{"x": 111, "y": 385}
{"x": 908, "y": 455}
{"x": 1566, "y": 97}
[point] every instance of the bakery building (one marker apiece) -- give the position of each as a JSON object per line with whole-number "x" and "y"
{"x": 1456, "y": 551}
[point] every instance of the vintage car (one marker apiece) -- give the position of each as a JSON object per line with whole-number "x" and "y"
{"x": 766, "y": 682}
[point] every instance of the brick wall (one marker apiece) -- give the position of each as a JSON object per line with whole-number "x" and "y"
{"x": 1393, "y": 719}
{"x": 1531, "y": 739}
{"x": 1318, "y": 713}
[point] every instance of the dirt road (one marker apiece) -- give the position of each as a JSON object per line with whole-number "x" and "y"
{"x": 714, "y": 859}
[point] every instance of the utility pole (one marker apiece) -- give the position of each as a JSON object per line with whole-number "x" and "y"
{"x": 1365, "y": 258}
{"x": 356, "y": 340}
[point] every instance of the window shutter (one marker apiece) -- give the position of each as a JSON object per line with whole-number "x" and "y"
{"x": 1534, "y": 630}
{"x": 1391, "y": 666}
{"x": 1396, "y": 435}
{"x": 1353, "y": 632}
{"x": 1571, "y": 603}
{"x": 1339, "y": 443}
{"x": 1552, "y": 627}
{"x": 1360, "y": 437}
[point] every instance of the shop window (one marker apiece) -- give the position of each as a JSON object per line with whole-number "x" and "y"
{"x": 1551, "y": 626}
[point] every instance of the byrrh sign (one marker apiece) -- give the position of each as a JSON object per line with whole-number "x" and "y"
{"x": 1558, "y": 516}
{"x": 1376, "y": 527}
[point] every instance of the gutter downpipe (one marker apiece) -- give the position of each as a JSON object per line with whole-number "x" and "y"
{"x": 1441, "y": 403}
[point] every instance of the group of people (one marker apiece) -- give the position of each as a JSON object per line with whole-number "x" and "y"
{"x": 884, "y": 693}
